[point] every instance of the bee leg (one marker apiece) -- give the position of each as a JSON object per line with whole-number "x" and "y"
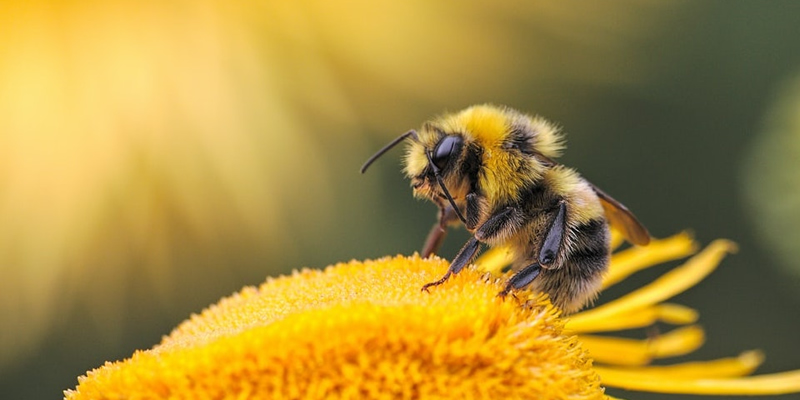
{"x": 464, "y": 256}
{"x": 554, "y": 237}
{"x": 447, "y": 216}
{"x": 438, "y": 231}
{"x": 502, "y": 224}
{"x": 547, "y": 254}
{"x": 522, "y": 278}
{"x": 473, "y": 211}
{"x": 499, "y": 224}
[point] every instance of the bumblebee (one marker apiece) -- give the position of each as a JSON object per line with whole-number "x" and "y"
{"x": 492, "y": 169}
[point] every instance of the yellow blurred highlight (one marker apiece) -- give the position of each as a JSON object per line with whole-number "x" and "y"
{"x": 770, "y": 184}
{"x": 135, "y": 135}
{"x": 126, "y": 130}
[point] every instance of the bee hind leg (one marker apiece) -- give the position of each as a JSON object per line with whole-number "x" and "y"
{"x": 522, "y": 278}
{"x": 548, "y": 254}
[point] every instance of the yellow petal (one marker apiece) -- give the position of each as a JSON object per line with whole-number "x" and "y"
{"x": 621, "y": 351}
{"x": 769, "y": 384}
{"x": 494, "y": 259}
{"x": 629, "y": 261}
{"x": 676, "y": 314}
{"x": 616, "y": 238}
{"x": 742, "y": 365}
{"x": 670, "y": 313}
{"x": 666, "y": 286}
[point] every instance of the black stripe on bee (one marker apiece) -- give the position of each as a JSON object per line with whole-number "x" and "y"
{"x": 471, "y": 166}
{"x": 519, "y": 137}
{"x": 536, "y": 198}
{"x": 590, "y": 247}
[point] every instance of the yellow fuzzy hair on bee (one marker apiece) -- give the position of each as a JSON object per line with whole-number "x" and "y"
{"x": 493, "y": 129}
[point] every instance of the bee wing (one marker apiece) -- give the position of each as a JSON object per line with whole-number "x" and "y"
{"x": 619, "y": 216}
{"x": 616, "y": 213}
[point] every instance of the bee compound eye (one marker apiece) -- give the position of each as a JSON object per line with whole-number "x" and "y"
{"x": 445, "y": 149}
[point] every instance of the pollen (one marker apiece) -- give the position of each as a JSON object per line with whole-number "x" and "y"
{"x": 360, "y": 330}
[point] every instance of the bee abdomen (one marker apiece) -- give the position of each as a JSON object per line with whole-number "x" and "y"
{"x": 589, "y": 250}
{"x": 577, "y": 280}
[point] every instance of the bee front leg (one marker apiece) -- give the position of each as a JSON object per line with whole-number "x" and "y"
{"x": 448, "y": 216}
{"x": 474, "y": 210}
{"x": 439, "y": 230}
{"x": 500, "y": 224}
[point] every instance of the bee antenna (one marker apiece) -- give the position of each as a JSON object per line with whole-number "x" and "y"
{"x": 444, "y": 189}
{"x": 412, "y": 133}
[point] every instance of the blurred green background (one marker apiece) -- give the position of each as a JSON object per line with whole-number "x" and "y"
{"x": 156, "y": 156}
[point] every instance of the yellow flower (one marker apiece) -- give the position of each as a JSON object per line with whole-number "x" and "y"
{"x": 365, "y": 330}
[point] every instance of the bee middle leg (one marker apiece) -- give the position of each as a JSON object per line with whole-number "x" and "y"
{"x": 501, "y": 223}
{"x": 551, "y": 248}
{"x": 464, "y": 256}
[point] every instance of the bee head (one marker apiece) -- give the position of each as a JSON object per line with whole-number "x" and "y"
{"x": 431, "y": 163}
{"x": 435, "y": 165}
{"x": 488, "y": 150}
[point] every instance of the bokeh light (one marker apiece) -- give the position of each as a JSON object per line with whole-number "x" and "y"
{"x": 771, "y": 183}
